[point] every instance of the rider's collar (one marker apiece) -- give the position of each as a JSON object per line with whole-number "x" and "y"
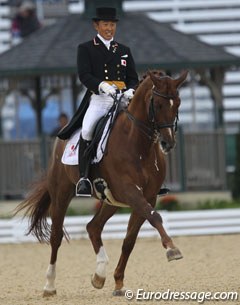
{"x": 106, "y": 42}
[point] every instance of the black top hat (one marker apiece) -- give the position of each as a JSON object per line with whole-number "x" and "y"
{"x": 105, "y": 13}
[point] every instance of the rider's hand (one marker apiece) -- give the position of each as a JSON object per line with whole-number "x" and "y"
{"x": 107, "y": 89}
{"x": 128, "y": 94}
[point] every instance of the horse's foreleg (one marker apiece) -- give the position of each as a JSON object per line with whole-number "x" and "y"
{"x": 134, "y": 225}
{"x": 57, "y": 216}
{"x": 155, "y": 220}
{"x": 143, "y": 208}
{"x": 94, "y": 228}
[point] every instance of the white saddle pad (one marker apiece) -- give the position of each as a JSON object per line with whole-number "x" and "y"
{"x": 70, "y": 154}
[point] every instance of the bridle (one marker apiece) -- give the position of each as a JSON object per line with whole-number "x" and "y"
{"x": 152, "y": 118}
{"x": 153, "y": 132}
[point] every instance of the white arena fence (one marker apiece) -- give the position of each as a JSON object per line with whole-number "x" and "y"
{"x": 183, "y": 223}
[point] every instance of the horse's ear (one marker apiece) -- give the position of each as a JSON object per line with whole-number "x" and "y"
{"x": 179, "y": 81}
{"x": 152, "y": 76}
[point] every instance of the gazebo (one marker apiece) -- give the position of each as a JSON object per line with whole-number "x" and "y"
{"x": 45, "y": 63}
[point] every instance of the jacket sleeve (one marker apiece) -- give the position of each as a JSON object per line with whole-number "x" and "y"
{"x": 131, "y": 76}
{"x": 84, "y": 67}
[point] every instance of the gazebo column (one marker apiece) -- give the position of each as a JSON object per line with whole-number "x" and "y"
{"x": 38, "y": 106}
{"x": 213, "y": 78}
{"x": 2, "y": 97}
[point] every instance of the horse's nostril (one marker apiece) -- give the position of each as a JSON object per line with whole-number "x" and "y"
{"x": 164, "y": 144}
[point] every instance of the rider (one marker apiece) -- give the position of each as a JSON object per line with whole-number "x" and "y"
{"x": 105, "y": 67}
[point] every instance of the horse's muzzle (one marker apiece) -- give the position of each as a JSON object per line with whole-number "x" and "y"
{"x": 166, "y": 146}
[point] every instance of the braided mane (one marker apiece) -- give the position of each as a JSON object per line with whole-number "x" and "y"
{"x": 158, "y": 73}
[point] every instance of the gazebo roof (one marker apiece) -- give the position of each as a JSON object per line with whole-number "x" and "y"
{"x": 53, "y": 48}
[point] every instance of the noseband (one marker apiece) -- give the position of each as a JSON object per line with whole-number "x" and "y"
{"x": 153, "y": 132}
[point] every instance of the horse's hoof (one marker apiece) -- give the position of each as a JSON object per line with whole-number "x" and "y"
{"x": 49, "y": 293}
{"x": 173, "y": 254}
{"x": 119, "y": 292}
{"x": 98, "y": 281}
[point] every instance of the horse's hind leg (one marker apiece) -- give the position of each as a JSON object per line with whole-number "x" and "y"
{"x": 94, "y": 228}
{"x": 134, "y": 225}
{"x": 58, "y": 212}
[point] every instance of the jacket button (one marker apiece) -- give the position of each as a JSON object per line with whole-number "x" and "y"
{"x": 106, "y": 77}
{"x": 106, "y": 71}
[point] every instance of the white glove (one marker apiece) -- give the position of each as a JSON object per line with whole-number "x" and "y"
{"x": 128, "y": 94}
{"x": 106, "y": 88}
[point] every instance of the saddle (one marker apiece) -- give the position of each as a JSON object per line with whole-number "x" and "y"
{"x": 99, "y": 133}
{"x": 97, "y": 147}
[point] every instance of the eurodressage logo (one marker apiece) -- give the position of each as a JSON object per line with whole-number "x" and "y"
{"x": 199, "y": 297}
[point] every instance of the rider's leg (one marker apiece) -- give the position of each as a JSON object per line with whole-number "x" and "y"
{"x": 163, "y": 191}
{"x": 84, "y": 186}
{"x": 94, "y": 112}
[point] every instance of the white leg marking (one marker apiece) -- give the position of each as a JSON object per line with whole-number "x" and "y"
{"x": 51, "y": 275}
{"x": 102, "y": 261}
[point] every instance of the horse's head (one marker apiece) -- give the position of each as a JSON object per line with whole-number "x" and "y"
{"x": 163, "y": 101}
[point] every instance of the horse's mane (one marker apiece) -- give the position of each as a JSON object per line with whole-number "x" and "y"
{"x": 158, "y": 73}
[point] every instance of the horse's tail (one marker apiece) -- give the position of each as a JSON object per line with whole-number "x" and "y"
{"x": 37, "y": 204}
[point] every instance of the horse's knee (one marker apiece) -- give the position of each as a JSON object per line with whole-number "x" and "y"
{"x": 150, "y": 214}
{"x": 155, "y": 216}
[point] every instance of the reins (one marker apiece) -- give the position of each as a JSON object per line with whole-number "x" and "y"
{"x": 143, "y": 127}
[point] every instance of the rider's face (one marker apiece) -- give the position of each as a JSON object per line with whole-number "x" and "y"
{"x": 106, "y": 29}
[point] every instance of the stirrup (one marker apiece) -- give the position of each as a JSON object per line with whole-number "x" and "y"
{"x": 84, "y": 188}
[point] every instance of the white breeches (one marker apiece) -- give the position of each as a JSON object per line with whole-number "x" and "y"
{"x": 99, "y": 105}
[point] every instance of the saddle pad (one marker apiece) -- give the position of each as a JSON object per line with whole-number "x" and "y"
{"x": 70, "y": 154}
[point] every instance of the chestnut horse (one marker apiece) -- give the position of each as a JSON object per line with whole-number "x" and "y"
{"x": 134, "y": 169}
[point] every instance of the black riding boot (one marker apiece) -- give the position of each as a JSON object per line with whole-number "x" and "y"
{"x": 84, "y": 185}
{"x": 163, "y": 191}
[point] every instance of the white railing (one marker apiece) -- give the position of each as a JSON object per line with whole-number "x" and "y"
{"x": 5, "y": 24}
{"x": 184, "y": 223}
{"x": 176, "y": 4}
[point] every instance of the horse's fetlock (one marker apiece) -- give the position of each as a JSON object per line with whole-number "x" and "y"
{"x": 118, "y": 277}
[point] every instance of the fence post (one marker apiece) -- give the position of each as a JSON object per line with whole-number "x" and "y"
{"x": 181, "y": 157}
{"x": 43, "y": 151}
